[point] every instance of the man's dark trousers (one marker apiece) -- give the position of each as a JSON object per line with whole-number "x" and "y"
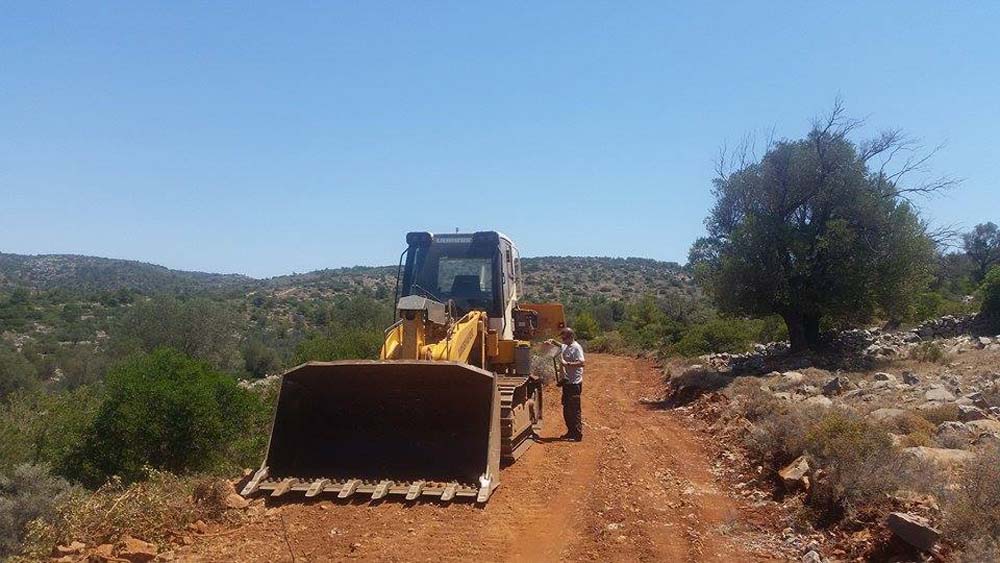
{"x": 572, "y": 409}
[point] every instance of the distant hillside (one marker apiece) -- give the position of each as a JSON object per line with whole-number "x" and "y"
{"x": 89, "y": 273}
{"x": 545, "y": 278}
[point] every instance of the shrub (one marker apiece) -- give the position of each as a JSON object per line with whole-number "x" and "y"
{"x": 28, "y": 493}
{"x": 972, "y": 512}
{"x": 44, "y": 427}
{"x": 349, "y": 344}
{"x": 859, "y": 460}
{"x": 150, "y": 510}
{"x": 585, "y": 325}
{"x": 915, "y": 429}
{"x": 930, "y": 352}
{"x": 719, "y": 335}
{"x": 609, "y": 343}
{"x": 167, "y": 411}
{"x": 781, "y": 437}
{"x": 752, "y": 402}
{"x": 941, "y": 413}
{"x": 16, "y": 372}
{"x": 991, "y": 292}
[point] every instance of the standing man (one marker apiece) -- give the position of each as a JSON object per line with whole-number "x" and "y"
{"x": 572, "y": 388}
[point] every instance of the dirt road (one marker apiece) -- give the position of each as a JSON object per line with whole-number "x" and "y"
{"x": 638, "y": 488}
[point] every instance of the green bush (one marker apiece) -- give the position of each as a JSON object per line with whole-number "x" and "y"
{"x": 350, "y": 344}
{"x": 28, "y": 493}
{"x": 43, "y": 427}
{"x": 167, "y": 411}
{"x": 991, "y": 292}
{"x": 610, "y": 342}
{"x": 586, "y": 326}
{"x": 719, "y": 335}
{"x": 16, "y": 372}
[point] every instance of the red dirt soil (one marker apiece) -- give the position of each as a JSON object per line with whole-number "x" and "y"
{"x": 638, "y": 488}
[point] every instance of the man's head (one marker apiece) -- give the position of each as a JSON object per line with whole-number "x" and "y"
{"x": 567, "y": 335}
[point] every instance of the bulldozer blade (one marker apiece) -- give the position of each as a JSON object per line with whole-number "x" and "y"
{"x": 412, "y": 428}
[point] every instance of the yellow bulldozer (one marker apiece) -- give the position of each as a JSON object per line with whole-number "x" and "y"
{"x": 451, "y": 396}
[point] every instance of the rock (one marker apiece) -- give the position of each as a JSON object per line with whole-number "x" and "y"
{"x": 792, "y": 475}
{"x": 978, "y": 399}
{"x": 886, "y": 414}
{"x": 985, "y": 426}
{"x": 967, "y": 413}
{"x": 954, "y": 435}
{"x": 792, "y": 378}
{"x": 910, "y": 378}
{"x": 236, "y": 502}
{"x": 812, "y": 557}
{"x": 137, "y": 551}
{"x": 819, "y": 401}
{"x": 943, "y": 457}
{"x": 883, "y": 376}
{"x": 914, "y": 530}
{"x": 939, "y": 394}
{"x": 71, "y": 549}
{"x": 105, "y": 551}
{"x": 836, "y": 385}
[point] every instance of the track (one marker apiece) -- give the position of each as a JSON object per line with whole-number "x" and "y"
{"x": 638, "y": 488}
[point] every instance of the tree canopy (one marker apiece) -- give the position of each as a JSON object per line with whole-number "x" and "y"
{"x": 817, "y": 229}
{"x": 982, "y": 245}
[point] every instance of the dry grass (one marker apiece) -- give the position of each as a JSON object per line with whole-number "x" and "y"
{"x": 150, "y": 510}
{"x": 972, "y": 511}
{"x": 942, "y": 413}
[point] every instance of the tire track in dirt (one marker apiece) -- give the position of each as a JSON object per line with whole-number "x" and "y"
{"x": 638, "y": 488}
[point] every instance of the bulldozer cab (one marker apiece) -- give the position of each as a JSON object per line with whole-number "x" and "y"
{"x": 471, "y": 271}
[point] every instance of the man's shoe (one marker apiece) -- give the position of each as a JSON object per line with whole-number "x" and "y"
{"x": 576, "y": 438}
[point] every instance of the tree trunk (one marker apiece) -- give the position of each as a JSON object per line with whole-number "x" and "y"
{"x": 796, "y": 331}
{"x": 803, "y": 330}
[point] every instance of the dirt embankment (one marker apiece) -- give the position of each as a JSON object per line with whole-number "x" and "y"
{"x": 638, "y": 488}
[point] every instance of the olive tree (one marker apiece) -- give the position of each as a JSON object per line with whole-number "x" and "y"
{"x": 818, "y": 229}
{"x": 982, "y": 245}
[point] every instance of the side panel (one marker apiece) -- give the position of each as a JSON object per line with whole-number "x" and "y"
{"x": 551, "y": 317}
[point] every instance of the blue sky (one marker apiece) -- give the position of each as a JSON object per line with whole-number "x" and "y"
{"x": 265, "y": 140}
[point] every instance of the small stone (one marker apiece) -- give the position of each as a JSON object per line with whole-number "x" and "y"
{"x": 886, "y": 413}
{"x": 986, "y": 426}
{"x": 793, "y": 473}
{"x": 236, "y": 502}
{"x": 137, "y": 551}
{"x": 104, "y": 551}
{"x": 939, "y": 394}
{"x": 883, "y": 376}
{"x": 793, "y": 376}
{"x": 71, "y": 549}
{"x": 914, "y": 530}
{"x": 968, "y": 413}
{"x": 941, "y": 456}
{"x": 819, "y": 401}
{"x": 812, "y": 557}
{"x": 836, "y": 385}
{"x": 910, "y": 378}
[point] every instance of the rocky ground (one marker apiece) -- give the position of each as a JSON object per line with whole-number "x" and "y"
{"x": 935, "y": 390}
